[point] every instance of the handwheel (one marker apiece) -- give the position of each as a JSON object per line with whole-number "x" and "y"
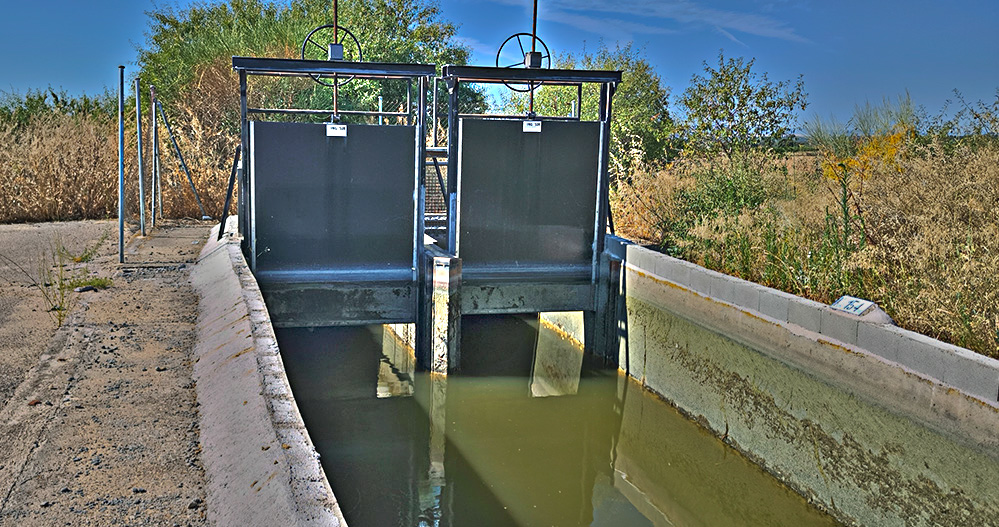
{"x": 521, "y": 39}
{"x": 315, "y": 47}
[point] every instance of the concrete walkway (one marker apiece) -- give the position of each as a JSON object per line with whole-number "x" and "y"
{"x": 98, "y": 418}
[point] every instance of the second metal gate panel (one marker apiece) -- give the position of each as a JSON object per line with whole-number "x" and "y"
{"x": 527, "y": 199}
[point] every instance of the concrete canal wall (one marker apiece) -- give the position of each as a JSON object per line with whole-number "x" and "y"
{"x": 878, "y": 425}
{"x": 875, "y": 424}
{"x": 260, "y": 464}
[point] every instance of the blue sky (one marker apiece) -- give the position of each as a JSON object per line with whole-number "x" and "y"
{"x": 849, "y": 51}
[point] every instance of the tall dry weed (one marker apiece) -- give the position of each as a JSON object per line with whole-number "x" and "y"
{"x": 926, "y": 249}
{"x": 61, "y": 167}
{"x": 205, "y": 121}
{"x": 935, "y": 225}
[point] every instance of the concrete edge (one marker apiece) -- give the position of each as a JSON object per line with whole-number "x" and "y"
{"x": 950, "y": 366}
{"x": 260, "y": 464}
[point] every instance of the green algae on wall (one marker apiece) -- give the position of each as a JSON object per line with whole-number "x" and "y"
{"x": 858, "y": 459}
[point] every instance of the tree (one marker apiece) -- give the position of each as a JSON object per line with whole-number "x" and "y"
{"x": 641, "y": 126}
{"x": 181, "y": 45}
{"x": 732, "y": 110}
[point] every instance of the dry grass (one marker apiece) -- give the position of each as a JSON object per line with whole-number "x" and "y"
{"x": 926, "y": 246}
{"x": 60, "y": 168}
{"x": 935, "y": 228}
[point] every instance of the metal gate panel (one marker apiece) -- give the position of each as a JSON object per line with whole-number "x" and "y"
{"x": 332, "y": 208}
{"x": 526, "y": 199}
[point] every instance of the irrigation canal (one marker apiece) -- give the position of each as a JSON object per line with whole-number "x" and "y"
{"x": 529, "y": 434}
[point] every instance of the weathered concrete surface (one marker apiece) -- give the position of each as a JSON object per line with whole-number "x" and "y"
{"x": 940, "y": 362}
{"x": 871, "y": 441}
{"x": 261, "y": 466}
{"x": 677, "y": 473}
{"x": 101, "y": 429}
{"x": 24, "y": 319}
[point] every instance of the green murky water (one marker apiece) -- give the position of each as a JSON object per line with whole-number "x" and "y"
{"x": 529, "y": 434}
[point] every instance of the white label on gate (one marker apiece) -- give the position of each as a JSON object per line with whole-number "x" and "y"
{"x": 532, "y": 126}
{"x": 336, "y": 130}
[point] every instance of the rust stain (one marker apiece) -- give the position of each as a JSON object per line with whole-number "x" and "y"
{"x": 563, "y": 334}
{"x": 247, "y": 350}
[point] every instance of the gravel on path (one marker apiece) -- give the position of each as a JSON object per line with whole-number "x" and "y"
{"x": 98, "y": 418}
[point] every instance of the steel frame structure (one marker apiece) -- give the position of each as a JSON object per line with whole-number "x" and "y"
{"x": 307, "y": 298}
{"x": 519, "y": 289}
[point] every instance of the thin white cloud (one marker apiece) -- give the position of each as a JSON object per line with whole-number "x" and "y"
{"x": 611, "y": 29}
{"x": 476, "y": 45}
{"x": 592, "y": 16}
{"x": 729, "y": 36}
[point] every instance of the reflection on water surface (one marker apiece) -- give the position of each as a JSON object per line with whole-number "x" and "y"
{"x": 515, "y": 440}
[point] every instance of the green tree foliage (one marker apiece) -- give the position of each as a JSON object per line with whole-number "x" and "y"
{"x": 641, "y": 125}
{"x": 181, "y": 45}
{"x": 733, "y": 111}
{"x": 18, "y": 110}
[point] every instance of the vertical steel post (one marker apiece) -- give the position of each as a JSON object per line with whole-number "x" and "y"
{"x": 600, "y": 216}
{"x": 138, "y": 146}
{"x": 598, "y": 325}
{"x": 420, "y": 257}
{"x": 409, "y": 101}
{"x": 534, "y": 40}
{"x": 155, "y": 168}
{"x": 242, "y": 202}
{"x": 121, "y": 164}
{"x": 380, "y": 110}
{"x": 604, "y": 168}
{"x": 419, "y": 194}
{"x": 433, "y": 113}
{"x": 452, "y": 167}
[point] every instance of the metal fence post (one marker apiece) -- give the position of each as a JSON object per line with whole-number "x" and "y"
{"x": 138, "y": 143}
{"x": 155, "y": 168}
{"x": 121, "y": 164}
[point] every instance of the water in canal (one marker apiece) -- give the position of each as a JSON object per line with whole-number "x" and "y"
{"x": 529, "y": 434}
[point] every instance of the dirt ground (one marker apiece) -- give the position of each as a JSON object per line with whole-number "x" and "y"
{"x": 98, "y": 418}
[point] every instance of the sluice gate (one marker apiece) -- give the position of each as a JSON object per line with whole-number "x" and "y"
{"x": 333, "y": 214}
{"x": 329, "y": 212}
{"x": 334, "y": 221}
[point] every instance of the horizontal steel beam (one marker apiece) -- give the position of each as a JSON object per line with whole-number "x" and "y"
{"x": 340, "y": 304}
{"x": 523, "y": 273}
{"x": 483, "y": 74}
{"x": 343, "y": 275}
{"x": 385, "y": 70}
{"x": 499, "y": 298}
{"x": 307, "y": 111}
{"x": 509, "y": 116}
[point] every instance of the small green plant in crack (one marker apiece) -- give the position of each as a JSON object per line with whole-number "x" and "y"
{"x": 55, "y": 280}
{"x": 89, "y": 252}
{"x": 52, "y": 270}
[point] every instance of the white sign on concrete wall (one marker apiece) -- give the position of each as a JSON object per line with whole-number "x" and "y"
{"x": 852, "y": 305}
{"x": 336, "y": 130}
{"x": 532, "y": 126}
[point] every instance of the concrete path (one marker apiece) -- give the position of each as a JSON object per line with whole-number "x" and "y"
{"x": 98, "y": 419}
